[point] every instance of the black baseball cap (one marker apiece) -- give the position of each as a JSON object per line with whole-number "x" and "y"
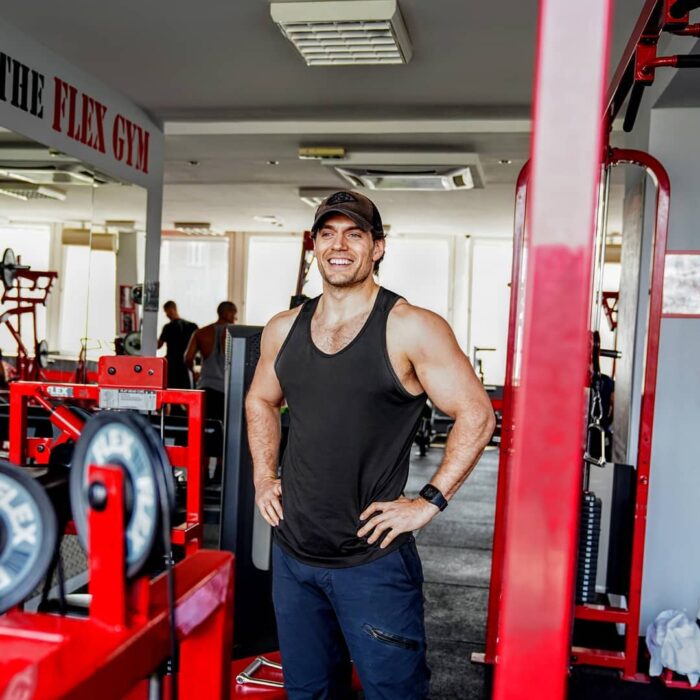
{"x": 354, "y": 205}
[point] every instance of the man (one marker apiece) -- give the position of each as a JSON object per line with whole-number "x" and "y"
{"x": 355, "y": 366}
{"x": 210, "y": 342}
{"x": 176, "y": 335}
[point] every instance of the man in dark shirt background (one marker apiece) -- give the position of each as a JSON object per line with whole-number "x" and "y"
{"x": 176, "y": 335}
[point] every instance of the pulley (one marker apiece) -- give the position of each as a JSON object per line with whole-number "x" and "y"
{"x": 132, "y": 343}
{"x": 126, "y": 440}
{"x": 28, "y": 533}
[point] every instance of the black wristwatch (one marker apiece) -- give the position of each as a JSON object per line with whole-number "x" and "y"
{"x": 433, "y": 495}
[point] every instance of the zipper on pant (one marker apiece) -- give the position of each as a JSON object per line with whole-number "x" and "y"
{"x": 394, "y": 639}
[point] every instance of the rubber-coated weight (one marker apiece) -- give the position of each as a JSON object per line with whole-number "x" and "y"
{"x": 28, "y": 534}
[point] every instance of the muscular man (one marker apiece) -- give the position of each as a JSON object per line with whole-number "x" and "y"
{"x": 176, "y": 335}
{"x": 355, "y": 366}
{"x": 210, "y": 342}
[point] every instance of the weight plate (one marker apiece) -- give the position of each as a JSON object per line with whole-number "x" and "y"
{"x": 132, "y": 343}
{"x": 126, "y": 440}
{"x": 137, "y": 294}
{"x": 9, "y": 262}
{"x": 28, "y": 534}
{"x": 42, "y": 354}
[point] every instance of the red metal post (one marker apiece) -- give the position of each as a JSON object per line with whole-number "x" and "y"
{"x": 509, "y": 388}
{"x": 544, "y": 485}
{"x": 646, "y": 421}
{"x": 108, "y": 549}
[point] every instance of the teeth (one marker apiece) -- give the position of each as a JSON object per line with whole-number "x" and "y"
{"x": 339, "y": 261}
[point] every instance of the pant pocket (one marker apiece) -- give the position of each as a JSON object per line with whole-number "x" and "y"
{"x": 391, "y": 638}
{"x": 411, "y": 562}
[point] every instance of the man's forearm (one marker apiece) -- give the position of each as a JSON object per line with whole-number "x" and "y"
{"x": 465, "y": 443}
{"x": 264, "y": 434}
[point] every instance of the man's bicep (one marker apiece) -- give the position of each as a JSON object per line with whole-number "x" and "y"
{"x": 265, "y": 385}
{"x": 443, "y": 369}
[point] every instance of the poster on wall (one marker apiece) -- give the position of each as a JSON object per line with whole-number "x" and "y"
{"x": 682, "y": 284}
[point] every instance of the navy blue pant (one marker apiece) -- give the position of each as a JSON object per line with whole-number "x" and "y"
{"x": 371, "y": 613}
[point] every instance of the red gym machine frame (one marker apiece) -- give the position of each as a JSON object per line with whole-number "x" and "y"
{"x": 125, "y": 639}
{"x": 26, "y": 298}
{"x": 531, "y": 606}
{"x": 117, "y": 373}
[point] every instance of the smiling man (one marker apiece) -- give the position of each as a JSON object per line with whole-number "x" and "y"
{"x": 355, "y": 366}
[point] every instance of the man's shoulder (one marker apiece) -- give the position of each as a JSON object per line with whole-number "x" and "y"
{"x": 409, "y": 324}
{"x": 280, "y": 324}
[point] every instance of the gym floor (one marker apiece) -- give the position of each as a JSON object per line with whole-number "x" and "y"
{"x": 456, "y": 552}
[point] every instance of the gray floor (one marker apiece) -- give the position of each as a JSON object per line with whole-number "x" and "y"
{"x": 456, "y": 552}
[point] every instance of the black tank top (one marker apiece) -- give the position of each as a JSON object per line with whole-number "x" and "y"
{"x": 351, "y": 428}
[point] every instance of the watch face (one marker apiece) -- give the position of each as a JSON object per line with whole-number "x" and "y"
{"x": 429, "y": 492}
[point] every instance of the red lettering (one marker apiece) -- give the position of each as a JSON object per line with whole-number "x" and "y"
{"x": 85, "y": 135}
{"x": 142, "y": 158}
{"x": 73, "y": 127}
{"x": 118, "y": 138}
{"x": 130, "y": 133}
{"x": 100, "y": 111}
{"x": 59, "y": 103}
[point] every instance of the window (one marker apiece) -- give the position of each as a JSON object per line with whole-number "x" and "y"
{"x": 32, "y": 244}
{"x": 490, "y": 302}
{"x": 98, "y": 297}
{"x": 418, "y": 269}
{"x": 273, "y": 267}
{"x": 194, "y": 274}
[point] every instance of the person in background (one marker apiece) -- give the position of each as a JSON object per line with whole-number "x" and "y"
{"x": 176, "y": 335}
{"x": 210, "y": 343}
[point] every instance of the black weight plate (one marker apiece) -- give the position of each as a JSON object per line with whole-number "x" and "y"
{"x": 142, "y": 424}
{"x": 9, "y": 261}
{"x": 28, "y": 524}
{"x": 121, "y": 439}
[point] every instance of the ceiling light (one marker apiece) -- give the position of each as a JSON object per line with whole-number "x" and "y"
{"x": 273, "y": 162}
{"x": 345, "y": 32}
{"x": 26, "y": 191}
{"x": 313, "y": 196}
{"x": 314, "y": 152}
{"x": 270, "y": 219}
{"x": 505, "y": 161}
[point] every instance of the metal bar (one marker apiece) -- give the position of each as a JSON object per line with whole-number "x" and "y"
{"x": 597, "y": 657}
{"x": 623, "y": 78}
{"x": 107, "y": 548}
{"x": 534, "y": 630}
{"x": 646, "y": 421}
{"x": 602, "y": 613}
{"x": 505, "y": 453}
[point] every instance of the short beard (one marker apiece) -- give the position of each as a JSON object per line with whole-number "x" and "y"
{"x": 355, "y": 281}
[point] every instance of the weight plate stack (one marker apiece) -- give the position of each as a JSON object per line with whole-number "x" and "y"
{"x": 127, "y": 440}
{"x": 28, "y": 533}
{"x": 588, "y": 544}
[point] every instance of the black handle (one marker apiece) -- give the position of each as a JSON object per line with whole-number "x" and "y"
{"x": 683, "y": 7}
{"x": 633, "y": 106}
{"x": 690, "y": 61}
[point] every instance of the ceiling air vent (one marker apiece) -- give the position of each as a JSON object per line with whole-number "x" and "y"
{"x": 427, "y": 172}
{"x": 345, "y": 32}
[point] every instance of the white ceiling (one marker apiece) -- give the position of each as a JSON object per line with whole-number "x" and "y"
{"x": 225, "y": 61}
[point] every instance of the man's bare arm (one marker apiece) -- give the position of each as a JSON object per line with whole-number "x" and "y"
{"x": 192, "y": 350}
{"x": 262, "y": 416}
{"x": 451, "y": 383}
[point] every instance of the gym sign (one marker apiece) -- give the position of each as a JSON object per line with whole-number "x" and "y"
{"x": 62, "y": 107}
{"x": 84, "y": 119}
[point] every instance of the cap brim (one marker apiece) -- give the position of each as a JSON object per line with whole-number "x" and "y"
{"x": 359, "y": 220}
